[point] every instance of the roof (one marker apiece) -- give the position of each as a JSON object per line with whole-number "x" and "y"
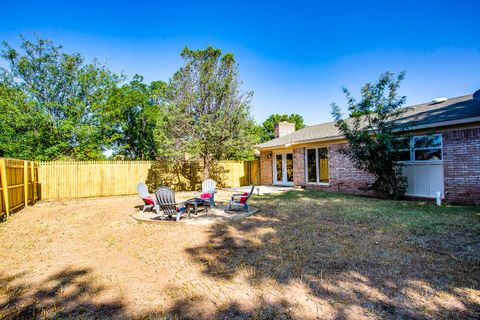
{"x": 425, "y": 115}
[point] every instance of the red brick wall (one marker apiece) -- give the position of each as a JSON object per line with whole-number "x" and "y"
{"x": 461, "y": 161}
{"x": 342, "y": 175}
{"x": 299, "y": 166}
{"x": 266, "y": 173}
{"x": 461, "y": 157}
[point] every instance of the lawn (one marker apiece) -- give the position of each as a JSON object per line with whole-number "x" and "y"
{"x": 304, "y": 255}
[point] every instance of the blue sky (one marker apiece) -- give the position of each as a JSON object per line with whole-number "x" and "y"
{"x": 294, "y": 55}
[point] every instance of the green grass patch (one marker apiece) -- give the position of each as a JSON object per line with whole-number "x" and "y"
{"x": 414, "y": 216}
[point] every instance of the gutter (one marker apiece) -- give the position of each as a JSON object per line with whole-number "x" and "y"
{"x": 413, "y": 128}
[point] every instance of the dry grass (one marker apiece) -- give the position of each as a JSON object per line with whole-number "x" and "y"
{"x": 304, "y": 255}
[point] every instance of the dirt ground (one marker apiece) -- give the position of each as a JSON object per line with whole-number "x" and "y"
{"x": 304, "y": 255}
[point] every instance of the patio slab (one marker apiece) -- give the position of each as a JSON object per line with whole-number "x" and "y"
{"x": 217, "y": 213}
{"x": 214, "y": 215}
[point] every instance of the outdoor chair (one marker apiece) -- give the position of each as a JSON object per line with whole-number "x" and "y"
{"x": 239, "y": 201}
{"x": 208, "y": 191}
{"x": 166, "y": 201}
{"x": 149, "y": 202}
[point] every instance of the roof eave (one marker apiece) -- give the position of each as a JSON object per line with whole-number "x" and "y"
{"x": 412, "y": 128}
{"x": 287, "y": 145}
{"x": 444, "y": 123}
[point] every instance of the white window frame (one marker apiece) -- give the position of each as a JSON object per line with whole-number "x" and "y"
{"x": 412, "y": 152}
{"x": 317, "y": 166}
{"x": 412, "y": 149}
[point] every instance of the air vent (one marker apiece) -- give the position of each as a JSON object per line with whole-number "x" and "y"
{"x": 476, "y": 95}
{"x": 439, "y": 100}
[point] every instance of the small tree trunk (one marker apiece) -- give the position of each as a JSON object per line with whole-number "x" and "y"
{"x": 206, "y": 167}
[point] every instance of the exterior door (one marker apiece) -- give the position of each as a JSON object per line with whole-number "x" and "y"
{"x": 283, "y": 169}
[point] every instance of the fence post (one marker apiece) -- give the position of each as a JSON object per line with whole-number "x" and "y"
{"x": 3, "y": 174}
{"x": 32, "y": 175}
{"x": 25, "y": 182}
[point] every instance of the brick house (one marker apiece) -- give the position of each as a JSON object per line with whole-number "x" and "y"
{"x": 442, "y": 156}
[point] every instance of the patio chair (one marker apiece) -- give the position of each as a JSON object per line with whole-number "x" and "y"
{"x": 166, "y": 200}
{"x": 239, "y": 201}
{"x": 208, "y": 191}
{"x": 149, "y": 202}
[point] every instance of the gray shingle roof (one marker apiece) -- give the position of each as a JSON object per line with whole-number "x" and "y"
{"x": 425, "y": 114}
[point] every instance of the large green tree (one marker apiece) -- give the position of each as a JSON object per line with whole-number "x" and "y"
{"x": 67, "y": 96}
{"x": 23, "y": 129}
{"x": 268, "y": 126}
{"x": 373, "y": 133}
{"x": 132, "y": 111}
{"x": 207, "y": 117}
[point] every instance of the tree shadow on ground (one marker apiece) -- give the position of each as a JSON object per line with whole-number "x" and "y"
{"x": 192, "y": 309}
{"x": 342, "y": 262}
{"x": 70, "y": 293}
{"x": 73, "y": 294}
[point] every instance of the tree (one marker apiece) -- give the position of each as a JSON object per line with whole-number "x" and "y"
{"x": 132, "y": 111}
{"x": 23, "y": 129}
{"x": 206, "y": 116}
{"x": 372, "y": 133}
{"x": 67, "y": 94}
{"x": 268, "y": 126}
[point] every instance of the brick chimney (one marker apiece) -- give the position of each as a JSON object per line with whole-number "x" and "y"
{"x": 283, "y": 128}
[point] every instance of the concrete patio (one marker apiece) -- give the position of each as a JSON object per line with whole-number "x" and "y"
{"x": 216, "y": 213}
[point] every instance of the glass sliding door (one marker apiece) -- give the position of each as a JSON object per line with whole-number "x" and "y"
{"x": 316, "y": 165}
{"x": 323, "y": 164}
{"x": 311, "y": 165}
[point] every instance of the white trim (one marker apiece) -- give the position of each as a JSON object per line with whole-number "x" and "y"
{"x": 412, "y": 149}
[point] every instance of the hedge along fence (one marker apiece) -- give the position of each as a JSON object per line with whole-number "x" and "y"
{"x": 19, "y": 185}
{"x": 81, "y": 179}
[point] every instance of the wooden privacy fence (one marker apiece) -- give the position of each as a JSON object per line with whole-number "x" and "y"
{"x": 80, "y": 179}
{"x": 18, "y": 185}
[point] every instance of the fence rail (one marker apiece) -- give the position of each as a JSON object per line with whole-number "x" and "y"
{"x": 80, "y": 179}
{"x": 19, "y": 185}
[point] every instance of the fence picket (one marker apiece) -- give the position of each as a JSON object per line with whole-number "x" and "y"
{"x": 81, "y": 179}
{"x": 23, "y": 183}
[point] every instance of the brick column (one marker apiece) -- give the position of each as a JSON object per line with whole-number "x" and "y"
{"x": 266, "y": 174}
{"x": 461, "y": 165}
{"x": 299, "y": 166}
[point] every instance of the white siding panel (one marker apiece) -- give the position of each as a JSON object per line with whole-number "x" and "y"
{"x": 408, "y": 173}
{"x": 436, "y": 179}
{"x": 424, "y": 179}
{"x": 421, "y": 181}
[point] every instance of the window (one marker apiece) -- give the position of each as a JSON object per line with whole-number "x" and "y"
{"x": 421, "y": 148}
{"x": 289, "y": 165}
{"x": 316, "y": 164}
{"x": 427, "y": 148}
{"x": 323, "y": 164}
{"x": 404, "y": 153}
{"x": 311, "y": 165}
{"x": 279, "y": 164}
